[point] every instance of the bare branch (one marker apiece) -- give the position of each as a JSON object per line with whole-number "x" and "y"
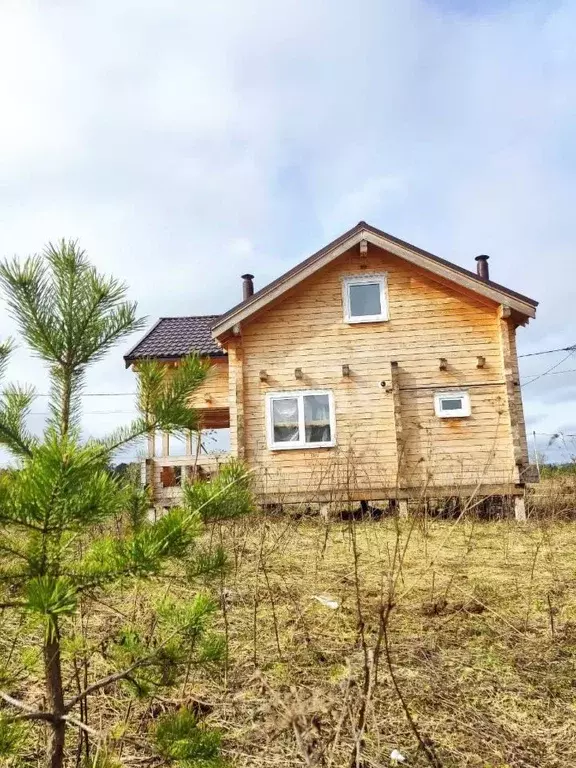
{"x": 108, "y": 681}
{"x": 32, "y": 713}
{"x": 84, "y": 726}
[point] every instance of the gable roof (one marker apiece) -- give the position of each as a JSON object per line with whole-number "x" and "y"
{"x": 363, "y": 231}
{"x": 173, "y": 337}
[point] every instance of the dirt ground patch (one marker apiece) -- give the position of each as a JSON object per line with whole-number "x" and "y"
{"x": 482, "y": 641}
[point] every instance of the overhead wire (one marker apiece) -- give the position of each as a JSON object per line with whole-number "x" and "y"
{"x": 548, "y": 372}
{"x": 548, "y": 351}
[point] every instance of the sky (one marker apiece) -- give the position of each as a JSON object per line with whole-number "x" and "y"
{"x": 185, "y": 143}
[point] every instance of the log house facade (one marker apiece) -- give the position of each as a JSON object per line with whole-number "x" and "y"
{"x": 371, "y": 371}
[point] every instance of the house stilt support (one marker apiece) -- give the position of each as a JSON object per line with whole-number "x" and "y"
{"x": 403, "y": 509}
{"x": 520, "y": 509}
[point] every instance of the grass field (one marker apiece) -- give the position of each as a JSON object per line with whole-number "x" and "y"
{"x": 480, "y": 643}
{"x": 453, "y": 642}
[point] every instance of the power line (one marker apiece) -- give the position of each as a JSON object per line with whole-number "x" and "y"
{"x": 554, "y": 434}
{"x": 85, "y": 413}
{"x": 549, "y": 370}
{"x": 549, "y": 351}
{"x": 94, "y": 394}
{"x": 557, "y": 373}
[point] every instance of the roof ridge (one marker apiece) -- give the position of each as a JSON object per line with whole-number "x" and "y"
{"x": 362, "y": 226}
{"x": 188, "y": 317}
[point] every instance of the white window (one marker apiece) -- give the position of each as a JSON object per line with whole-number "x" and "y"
{"x": 450, "y": 404}
{"x": 300, "y": 419}
{"x": 365, "y": 298}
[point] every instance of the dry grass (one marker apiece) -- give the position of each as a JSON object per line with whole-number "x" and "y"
{"x": 554, "y": 496}
{"x": 482, "y": 641}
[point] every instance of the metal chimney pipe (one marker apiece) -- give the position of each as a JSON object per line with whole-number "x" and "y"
{"x": 247, "y": 286}
{"x": 482, "y": 267}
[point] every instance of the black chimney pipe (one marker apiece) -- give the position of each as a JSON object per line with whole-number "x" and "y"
{"x": 247, "y": 286}
{"x": 482, "y": 267}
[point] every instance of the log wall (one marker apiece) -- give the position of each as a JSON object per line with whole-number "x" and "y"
{"x": 387, "y": 433}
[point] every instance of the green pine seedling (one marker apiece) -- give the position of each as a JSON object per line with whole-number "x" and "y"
{"x": 58, "y": 544}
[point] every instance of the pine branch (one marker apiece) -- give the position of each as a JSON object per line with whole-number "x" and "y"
{"x": 120, "y": 324}
{"x": 144, "y": 661}
{"x": 23, "y": 523}
{"x": 13, "y": 440}
{"x": 109, "y": 680}
{"x": 29, "y": 301}
{"x": 122, "y": 437}
{"x": 6, "y": 348}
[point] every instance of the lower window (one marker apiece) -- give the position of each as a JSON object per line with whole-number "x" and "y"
{"x": 300, "y": 419}
{"x": 452, "y": 404}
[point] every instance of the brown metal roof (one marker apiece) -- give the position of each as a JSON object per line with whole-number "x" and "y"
{"x": 362, "y": 225}
{"x": 174, "y": 337}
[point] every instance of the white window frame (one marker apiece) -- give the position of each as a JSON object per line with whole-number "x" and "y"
{"x": 380, "y": 278}
{"x": 456, "y": 413}
{"x": 299, "y": 395}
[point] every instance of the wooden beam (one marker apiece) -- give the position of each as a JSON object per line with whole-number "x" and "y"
{"x": 151, "y": 445}
{"x": 515, "y": 414}
{"x": 263, "y": 375}
{"x": 345, "y": 370}
{"x": 480, "y": 362}
{"x": 298, "y": 373}
{"x": 236, "y": 395}
{"x": 363, "y": 247}
{"x": 397, "y": 409}
{"x": 443, "y": 364}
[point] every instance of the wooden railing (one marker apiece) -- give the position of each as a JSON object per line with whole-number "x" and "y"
{"x": 165, "y": 475}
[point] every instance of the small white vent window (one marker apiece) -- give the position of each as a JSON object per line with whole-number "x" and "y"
{"x": 302, "y": 419}
{"x": 451, "y": 404}
{"x": 365, "y": 298}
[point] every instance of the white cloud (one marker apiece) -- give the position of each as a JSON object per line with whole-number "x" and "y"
{"x": 185, "y": 143}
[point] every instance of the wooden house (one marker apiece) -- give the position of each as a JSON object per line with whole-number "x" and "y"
{"x": 371, "y": 371}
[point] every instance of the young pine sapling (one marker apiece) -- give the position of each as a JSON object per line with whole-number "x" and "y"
{"x": 58, "y": 549}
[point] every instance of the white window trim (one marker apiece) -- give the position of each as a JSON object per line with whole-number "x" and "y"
{"x": 460, "y": 412}
{"x": 299, "y": 394}
{"x": 382, "y": 279}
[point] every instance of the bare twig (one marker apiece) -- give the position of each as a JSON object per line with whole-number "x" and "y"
{"x": 425, "y": 746}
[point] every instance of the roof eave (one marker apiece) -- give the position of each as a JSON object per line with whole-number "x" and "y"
{"x": 129, "y": 360}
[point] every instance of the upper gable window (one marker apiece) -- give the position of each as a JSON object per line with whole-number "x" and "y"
{"x": 365, "y": 298}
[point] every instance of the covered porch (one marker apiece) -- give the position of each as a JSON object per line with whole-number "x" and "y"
{"x": 173, "y": 460}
